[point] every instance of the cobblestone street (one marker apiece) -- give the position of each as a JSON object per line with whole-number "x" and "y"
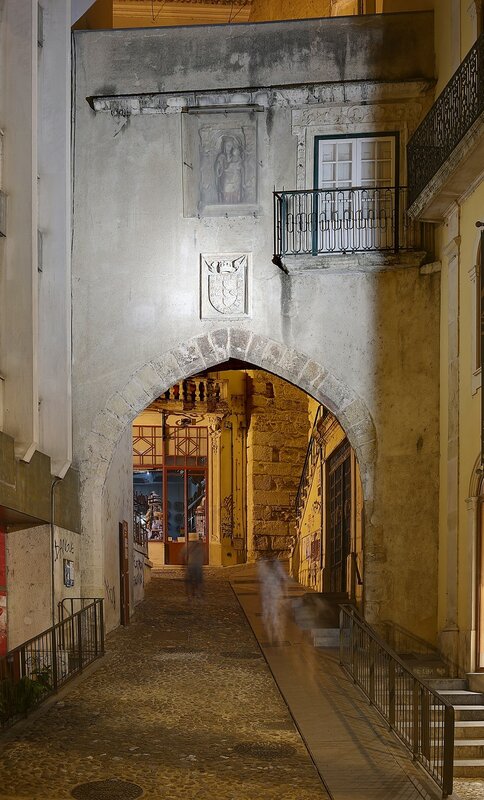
{"x": 184, "y": 706}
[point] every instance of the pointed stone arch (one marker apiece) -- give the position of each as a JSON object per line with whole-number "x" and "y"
{"x": 195, "y": 355}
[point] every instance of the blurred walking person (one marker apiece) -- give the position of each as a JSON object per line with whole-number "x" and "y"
{"x": 273, "y": 581}
{"x": 193, "y": 555}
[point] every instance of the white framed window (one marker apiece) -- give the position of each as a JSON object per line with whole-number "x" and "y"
{"x": 362, "y": 161}
{"x": 358, "y": 204}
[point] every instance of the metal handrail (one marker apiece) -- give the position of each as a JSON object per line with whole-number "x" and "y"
{"x": 346, "y": 220}
{"x": 37, "y": 668}
{"x": 455, "y": 110}
{"x": 307, "y": 460}
{"x": 418, "y": 715}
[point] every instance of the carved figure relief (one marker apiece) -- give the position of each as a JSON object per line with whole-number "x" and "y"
{"x": 229, "y": 171}
{"x": 225, "y": 285}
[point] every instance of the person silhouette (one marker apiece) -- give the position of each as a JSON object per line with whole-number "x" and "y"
{"x": 273, "y": 581}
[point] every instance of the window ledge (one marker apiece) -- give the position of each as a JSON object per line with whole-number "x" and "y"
{"x": 354, "y": 262}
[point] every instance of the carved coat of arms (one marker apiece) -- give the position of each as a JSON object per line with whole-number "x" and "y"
{"x": 226, "y": 284}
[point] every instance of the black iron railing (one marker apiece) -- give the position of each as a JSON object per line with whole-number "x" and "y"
{"x": 419, "y": 716}
{"x": 309, "y": 463}
{"x": 350, "y": 220}
{"x": 455, "y": 110}
{"x": 34, "y": 670}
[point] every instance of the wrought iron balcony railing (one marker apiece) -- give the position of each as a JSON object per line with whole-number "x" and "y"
{"x": 454, "y": 112}
{"x": 350, "y": 220}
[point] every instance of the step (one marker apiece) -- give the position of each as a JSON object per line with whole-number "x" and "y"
{"x": 447, "y": 684}
{"x": 469, "y": 729}
{"x": 469, "y": 712}
{"x": 462, "y": 697}
{"x": 468, "y": 748}
{"x": 325, "y": 637}
{"x": 469, "y": 768}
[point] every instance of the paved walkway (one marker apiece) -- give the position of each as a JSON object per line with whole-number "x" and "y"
{"x": 184, "y": 706}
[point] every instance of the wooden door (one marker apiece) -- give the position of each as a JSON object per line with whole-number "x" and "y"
{"x": 339, "y": 522}
{"x": 124, "y": 572}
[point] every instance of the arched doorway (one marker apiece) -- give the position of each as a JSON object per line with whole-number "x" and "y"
{"x": 205, "y": 352}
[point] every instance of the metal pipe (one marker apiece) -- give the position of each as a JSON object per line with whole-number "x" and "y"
{"x": 52, "y": 584}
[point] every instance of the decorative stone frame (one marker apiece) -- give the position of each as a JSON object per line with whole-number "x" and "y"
{"x": 350, "y": 119}
{"x": 204, "y": 134}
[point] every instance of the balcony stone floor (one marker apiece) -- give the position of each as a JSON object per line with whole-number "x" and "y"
{"x": 184, "y": 705}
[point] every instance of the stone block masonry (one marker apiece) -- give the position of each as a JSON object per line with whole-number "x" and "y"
{"x": 277, "y": 439}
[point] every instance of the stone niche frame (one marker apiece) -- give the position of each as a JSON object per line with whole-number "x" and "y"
{"x": 220, "y": 175}
{"x": 225, "y": 285}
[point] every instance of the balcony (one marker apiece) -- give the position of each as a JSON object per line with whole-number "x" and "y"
{"x": 347, "y": 221}
{"x": 446, "y": 152}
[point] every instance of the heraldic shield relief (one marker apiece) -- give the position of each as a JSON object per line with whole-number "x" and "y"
{"x": 225, "y": 285}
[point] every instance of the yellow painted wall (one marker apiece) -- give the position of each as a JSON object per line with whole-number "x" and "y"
{"x": 99, "y": 17}
{"x": 471, "y": 210}
{"x": 263, "y": 10}
{"x": 309, "y": 563}
{"x": 455, "y": 34}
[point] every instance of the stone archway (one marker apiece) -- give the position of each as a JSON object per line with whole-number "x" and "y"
{"x": 197, "y": 354}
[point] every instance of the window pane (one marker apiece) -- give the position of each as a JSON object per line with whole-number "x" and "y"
{"x": 384, "y": 149}
{"x": 176, "y": 505}
{"x": 344, "y": 172}
{"x": 328, "y": 152}
{"x": 148, "y": 501}
{"x": 384, "y": 171}
{"x": 328, "y": 173}
{"x": 367, "y": 171}
{"x": 345, "y": 151}
{"x": 196, "y": 490}
{"x": 367, "y": 149}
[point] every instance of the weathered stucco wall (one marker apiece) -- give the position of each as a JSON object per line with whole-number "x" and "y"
{"x": 118, "y": 506}
{"x": 150, "y": 235}
{"x": 29, "y": 565}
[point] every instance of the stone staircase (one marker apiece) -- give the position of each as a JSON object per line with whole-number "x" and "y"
{"x": 469, "y": 725}
{"x": 318, "y": 614}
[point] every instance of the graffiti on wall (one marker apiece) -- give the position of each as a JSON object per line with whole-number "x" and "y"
{"x": 62, "y": 547}
{"x": 110, "y": 593}
{"x": 227, "y": 517}
{"x": 138, "y": 579}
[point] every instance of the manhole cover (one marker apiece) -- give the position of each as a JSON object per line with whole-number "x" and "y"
{"x": 111, "y": 789}
{"x": 265, "y": 749}
{"x": 233, "y": 654}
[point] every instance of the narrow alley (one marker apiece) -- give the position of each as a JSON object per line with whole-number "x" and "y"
{"x": 184, "y": 706}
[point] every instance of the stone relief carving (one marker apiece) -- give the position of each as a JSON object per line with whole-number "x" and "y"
{"x": 351, "y": 114}
{"x": 224, "y": 285}
{"x": 227, "y": 168}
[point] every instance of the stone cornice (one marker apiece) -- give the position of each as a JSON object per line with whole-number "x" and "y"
{"x": 394, "y": 100}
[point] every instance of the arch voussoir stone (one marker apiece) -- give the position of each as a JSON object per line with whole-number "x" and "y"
{"x": 135, "y": 394}
{"x": 211, "y": 353}
{"x": 189, "y": 358}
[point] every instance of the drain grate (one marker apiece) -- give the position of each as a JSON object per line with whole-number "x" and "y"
{"x": 111, "y": 789}
{"x": 265, "y": 749}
